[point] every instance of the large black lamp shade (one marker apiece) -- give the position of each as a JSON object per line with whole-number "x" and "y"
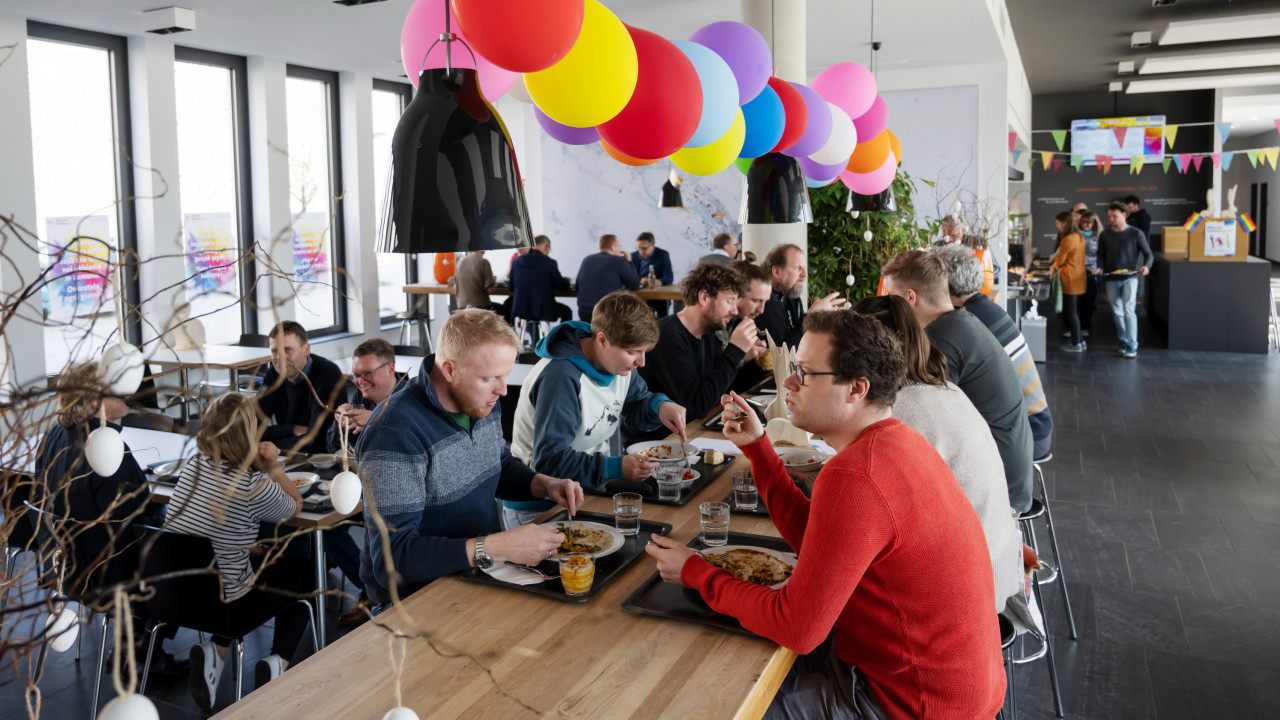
{"x": 882, "y": 201}
{"x": 775, "y": 192}
{"x": 455, "y": 185}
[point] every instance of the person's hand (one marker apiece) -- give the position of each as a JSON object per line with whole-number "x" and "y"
{"x": 636, "y": 468}
{"x": 743, "y": 432}
{"x": 354, "y": 418}
{"x": 830, "y": 302}
{"x": 756, "y": 351}
{"x": 526, "y": 545}
{"x": 1144, "y": 271}
{"x": 561, "y": 491}
{"x": 268, "y": 452}
{"x": 673, "y": 417}
{"x": 745, "y": 335}
{"x": 300, "y": 430}
{"x": 671, "y": 557}
{"x": 1096, "y": 271}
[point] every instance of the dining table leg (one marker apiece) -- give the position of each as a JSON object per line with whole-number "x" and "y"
{"x": 322, "y": 576}
{"x": 184, "y": 381}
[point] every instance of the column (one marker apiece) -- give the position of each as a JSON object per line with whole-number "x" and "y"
{"x": 269, "y": 165}
{"x": 355, "y": 91}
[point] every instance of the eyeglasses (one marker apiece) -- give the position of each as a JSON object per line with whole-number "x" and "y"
{"x": 368, "y": 375}
{"x": 802, "y": 374}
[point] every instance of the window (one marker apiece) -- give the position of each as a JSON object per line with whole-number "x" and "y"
{"x": 394, "y": 269}
{"x": 80, "y": 141}
{"x": 315, "y": 187}
{"x": 213, "y": 184}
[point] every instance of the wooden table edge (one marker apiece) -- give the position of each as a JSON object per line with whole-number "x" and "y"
{"x": 757, "y": 702}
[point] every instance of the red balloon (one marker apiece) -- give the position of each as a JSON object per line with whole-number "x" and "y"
{"x": 665, "y": 108}
{"x": 520, "y": 35}
{"x": 795, "y": 110}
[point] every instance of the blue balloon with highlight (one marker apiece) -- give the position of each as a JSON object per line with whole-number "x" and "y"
{"x": 765, "y": 121}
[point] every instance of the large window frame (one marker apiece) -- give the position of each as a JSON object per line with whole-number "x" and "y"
{"x": 238, "y": 67}
{"x": 337, "y": 229}
{"x": 405, "y": 91}
{"x": 117, "y": 48}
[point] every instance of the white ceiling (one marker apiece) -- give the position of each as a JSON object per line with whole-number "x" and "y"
{"x": 365, "y": 38}
{"x": 1251, "y": 114}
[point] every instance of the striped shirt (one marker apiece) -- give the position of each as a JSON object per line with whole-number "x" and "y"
{"x": 226, "y": 505}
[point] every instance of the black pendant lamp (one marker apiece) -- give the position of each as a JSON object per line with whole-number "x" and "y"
{"x": 455, "y": 185}
{"x": 775, "y": 192}
{"x": 880, "y": 202}
{"x": 671, "y": 197}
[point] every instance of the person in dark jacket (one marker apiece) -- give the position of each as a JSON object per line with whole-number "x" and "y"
{"x": 1123, "y": 249}
{"x": 1138, "y": 217}
{"x": 297, "y": 391}
{"x": 649, "y": 259}
{"x": 783, "y": 316}
{"x": 535, "y": 280}
{"x": 603, "y": 273}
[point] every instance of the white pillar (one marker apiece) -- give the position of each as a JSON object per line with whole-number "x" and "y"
{"x": 22, "y": 362}
{"x": 355, "y": 92}
{"x": 269, "y": 165}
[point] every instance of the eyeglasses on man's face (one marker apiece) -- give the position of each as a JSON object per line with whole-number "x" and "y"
{"x": 367, "y": 376}
{"x": 801, "y": 373}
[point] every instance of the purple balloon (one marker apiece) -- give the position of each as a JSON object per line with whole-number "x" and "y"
{"x": 746, "y": 52}
{"x": 818, "y": 172}
{"x": 564, "y": 133}
{"x": 818, "y": 131}
{"x": 873, "y": 120}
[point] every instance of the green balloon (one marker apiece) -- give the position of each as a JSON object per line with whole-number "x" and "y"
{"x": 742, "y": 164}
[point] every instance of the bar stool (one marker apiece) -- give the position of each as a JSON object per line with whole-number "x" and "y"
{"x": 1040, "y": 506}
{"x": 420, "y": 319}
{"x": 1007, "y": 635}
{"x": 1044, "y": 651}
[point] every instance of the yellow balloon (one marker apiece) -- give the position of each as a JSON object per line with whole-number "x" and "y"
{"x": 711, "y": 159}
{"x": 594, "y": 81}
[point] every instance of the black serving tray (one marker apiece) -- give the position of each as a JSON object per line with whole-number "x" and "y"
{"x": 706, "y": 473}
{"x": 607, "y": 567}
{"x": 760, "y": 511}
{"x": 673, "y": 602}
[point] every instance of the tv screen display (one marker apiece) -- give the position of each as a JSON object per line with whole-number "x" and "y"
{"x": 1142, "y": 136}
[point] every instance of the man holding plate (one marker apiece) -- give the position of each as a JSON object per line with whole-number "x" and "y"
{"x": 891, "y": 555}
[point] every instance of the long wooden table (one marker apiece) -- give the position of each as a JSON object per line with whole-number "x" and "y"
{"x": 659, "y": 292}
{"x": 564, "y": 659}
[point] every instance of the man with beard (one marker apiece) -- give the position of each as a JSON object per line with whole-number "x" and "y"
{"x": 433, "y": 460}
{"x": 783, "y": 315}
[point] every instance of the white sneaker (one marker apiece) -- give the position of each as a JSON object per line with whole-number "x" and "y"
{"x": 268, "y": 668}
{"x": 206, "y": 670}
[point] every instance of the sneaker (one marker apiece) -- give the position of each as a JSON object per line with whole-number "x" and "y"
{"x": 1128, "y": 353}
{"x": 1073, "y": 347}
{"x": 1084, "y": 333}
{"x": 206, "y": 670}
{"x": 268, "y": 668}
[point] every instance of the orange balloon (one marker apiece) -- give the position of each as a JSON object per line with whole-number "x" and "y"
{"x": 624, "y": 158}
{"x": 897, "y": 145}
{"x": 870, "y": 155}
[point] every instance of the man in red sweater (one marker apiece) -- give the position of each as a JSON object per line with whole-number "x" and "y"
{"x": 891, "y": 553}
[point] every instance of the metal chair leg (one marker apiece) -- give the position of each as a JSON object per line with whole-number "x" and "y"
{"x": 1013, "y": 695}
{"x": 102, "y": 662}
{"x": 315, "y": 633}
{"x": 146, "y": 666}
{"x": 1057, "y": 555}
{"x": 79, "y": 635}
{"x": 10, "y": 561}
{"x": 238, "y": 648}
{"x": 1053, "y": 666}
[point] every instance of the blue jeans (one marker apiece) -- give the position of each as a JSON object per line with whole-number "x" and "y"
{"x": 1123, "y": 296}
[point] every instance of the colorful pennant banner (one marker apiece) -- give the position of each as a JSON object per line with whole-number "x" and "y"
{"x": 1013, "y": 139}
{"x": 1170, "y": 134}
{"x": 1166, "y": 162}
{"x": 1060, "y": 137}
{"x": 1227, "y": 157}
{"x": 1224, "y": 130}
{"x": 1135, "y": 164}
{"x": 1196, "y": 160}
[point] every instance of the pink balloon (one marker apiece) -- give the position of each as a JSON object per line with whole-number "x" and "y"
{"x": 876, "y": 181}
{"x": 849, "y": 86}
{"x": 870, "y": 123}
{"x": 422, "y": 26}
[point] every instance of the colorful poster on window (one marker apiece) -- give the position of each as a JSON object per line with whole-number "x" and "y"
{"x": 78, "y": 249}
{"x": 1220, "y": 238}
{"x": 310, "y": 249}
{"x": 211, "y": 253}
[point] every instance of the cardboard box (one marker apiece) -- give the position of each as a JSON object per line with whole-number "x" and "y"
{"x": 1173, "y": 242}
{"x": 1208, "y": 240}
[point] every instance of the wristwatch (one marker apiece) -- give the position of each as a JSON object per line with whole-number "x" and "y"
{"x": 483, "y": 561}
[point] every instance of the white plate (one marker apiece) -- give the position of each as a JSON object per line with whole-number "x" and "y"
{"x": 801, "y": 459}
{"x": 616, "y": 537}
{"x": 303, "y": 479}
{"x": 669, "y": 451}
{"x": 786, "y": 557}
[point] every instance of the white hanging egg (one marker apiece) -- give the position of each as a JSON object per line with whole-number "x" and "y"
{"x": 867, "y": 236}
{"x": 848, "y": 280}
{"x": 855, "y": 214}
{"x": 104, "y": 450}
{"x": 61, "y": 629}
{"x": 120, "y": 369}
{"x": 400, "y": 713}
{"x": 957, "y": 207}
{"x": 130, "y": 707}
{"x": 345, "y": 489}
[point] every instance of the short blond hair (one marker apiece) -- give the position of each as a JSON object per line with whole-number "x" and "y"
{"x": 78, "y": 389}
{"x": 607, "y": 241}
{"x": 468, "y": 329}
{"x": 224, "y": 434}
{"x": 923, "y": 272}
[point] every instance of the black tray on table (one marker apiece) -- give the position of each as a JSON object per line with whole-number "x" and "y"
{"x": 706, "y": 473}
{"x": 760, "y": 511}
{"x": 607, "y": 567}
{"x": 674, "y": 602}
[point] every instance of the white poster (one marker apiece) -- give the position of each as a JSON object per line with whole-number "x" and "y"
{"x": 1220, "y": 238}
{"x": 211, "y": 252}
{"x": 80, "y": 251}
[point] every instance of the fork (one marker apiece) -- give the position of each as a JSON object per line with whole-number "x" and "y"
{"x": 532, "y": 569}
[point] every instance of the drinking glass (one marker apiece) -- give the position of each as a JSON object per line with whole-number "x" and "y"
{"x": 577, "y": 571}
{"x": 669, "y": 480}
{"x": 745, "y": 495}
{"x": 714, "y": 517}
{"x": 626, "y": 512}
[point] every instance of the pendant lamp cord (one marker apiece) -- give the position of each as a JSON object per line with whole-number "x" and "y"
{"x": 773, "y": 43}
{"x": 448, "y": 38}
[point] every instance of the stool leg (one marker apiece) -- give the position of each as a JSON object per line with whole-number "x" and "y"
{"x": 1013, "y": 695}
{"x": 1053, "y": 666}
{"x": 238, "y": 648}
{"x": 102, "y": 661}
{"x": 1057, "y": 555}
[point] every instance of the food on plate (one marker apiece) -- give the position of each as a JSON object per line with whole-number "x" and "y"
{"x": 688, "y": 475}
{"x": 713, "y": 457}
{"x": 302, "y": 481}
{"x": 582, "y": 539}
{"x": 751, "y": 566}
{"x": 659, "y": 452}
{"x": 1121, "y": 271}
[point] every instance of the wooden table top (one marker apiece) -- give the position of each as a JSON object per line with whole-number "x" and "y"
{"x": 660, "y": 292}
{"x": 214, "y": 356}
{"x": 584, "y": 661}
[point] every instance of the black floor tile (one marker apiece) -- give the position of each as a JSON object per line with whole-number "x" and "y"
{"x": 1148, "y": 619}
{"x": 1189, "y": 688}
{"x": 1231, "y": 633}
{"x": 1179, "y": 571}
{"x": 1266, "y": 689}
{"x": 1176, "y": 530}
{"x": 1122, "y": 525}
{"x": 1141, "y": 493}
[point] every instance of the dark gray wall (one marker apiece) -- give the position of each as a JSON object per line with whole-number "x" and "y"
{"x": 1170, "y": 198}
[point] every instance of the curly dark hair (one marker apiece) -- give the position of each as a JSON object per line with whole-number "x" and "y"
{"x": 713, "y": 278}
{"x": 862, "y": 347}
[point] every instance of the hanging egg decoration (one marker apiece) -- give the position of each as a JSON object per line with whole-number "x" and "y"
{"x": 61, "y": 629}
{"x": 120, "y": 369}
{"x": 400, "y": 713}
{"x": 867, "y": 236}
{"x": 104, "y": 450}
{"x": 130, "y": 707}
{"x": 848, "y": 280}
{"x": 346, "y": 491}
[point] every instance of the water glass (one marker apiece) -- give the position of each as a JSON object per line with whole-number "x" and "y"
{"x": 669, "y": 480}
{"x": 577, "y": 572}
{"x": 626, "y": 512}
{"x": 714, "y": 517}
{"x": 745, "y": 495}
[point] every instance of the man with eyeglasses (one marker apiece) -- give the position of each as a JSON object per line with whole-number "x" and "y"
{"x": 884, "y": 629}
{"x": 373, "y": 370}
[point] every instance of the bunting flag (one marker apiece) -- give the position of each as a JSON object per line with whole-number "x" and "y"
{"x": 1272, "y": 156}
{"x": 1226, "y": 160}
{"x": 1106, "y": 164}
{"x": 1247, "y": 222}
{"x": 1196, "y": 160}
{"x": 1120, "y": 133}
{"x": 1170, "y": 134}
{"x": 1013, "y": 139}
{"x": 1135, "y": 164}
{"x": 1277, "y": 124}
{"x": 1166, "y": 162}
{"x": 1060, "y": 136}
{"x": 1016, "y": 154}
{"x": 1182, "y": 162}
{"x": 1253, "y": 157}
{"x": 1057, "y": 163}
{"x": 1047, "y": 159}
{"x": 1192, "y": 222}
{"x": 1217, "y": 160}
{"x": 1224, "y": 130}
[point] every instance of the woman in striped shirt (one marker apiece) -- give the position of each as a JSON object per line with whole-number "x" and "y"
{"x": 231, "y": 486}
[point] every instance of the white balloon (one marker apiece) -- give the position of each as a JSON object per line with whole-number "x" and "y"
{"x": 61, "y": 629}
{"x": 121, "y": 369}
{"x": 867, "y": 236}
{"x": 519, "y": 92}
{"x": 844, "y": 136}
{"x": 130, "y": 707}
{"x": 346, "y": 490}
{"x": 104, "y": 450}
{"x": 403, "y": 713}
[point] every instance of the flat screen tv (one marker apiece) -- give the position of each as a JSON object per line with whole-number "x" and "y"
{"x": 1102, "y": 136}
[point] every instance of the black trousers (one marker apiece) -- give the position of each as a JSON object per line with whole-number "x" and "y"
{"x": 289, "y": 575}
{"x": 1071, "y": 313}
{"x": 1088, "y": 301}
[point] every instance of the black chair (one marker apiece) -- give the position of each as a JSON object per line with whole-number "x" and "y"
{"x": 149, "y": 421}
{"x": 182, "y": 574}
{"x": 18, "y": 530}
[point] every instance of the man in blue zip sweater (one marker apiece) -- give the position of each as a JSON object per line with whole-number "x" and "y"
{"x": 433, "y": 460}
{"x": 574, "y": 399}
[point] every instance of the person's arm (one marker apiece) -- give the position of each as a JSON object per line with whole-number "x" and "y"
{"x": 278, "y": 500}
{"x": 795, "y": 333}
{"x": 1144, "y": 247}
{"x": 557, "y": 415}
{"x": 559, "y": 283}
{"x": 777, "y": 489}
{"x": 627, "y": 275}
{"x": 272, "y": 398}
{"x": 640, "y": 408}
{"x": 664, "y": 272}
{"x": 773, "y": 320}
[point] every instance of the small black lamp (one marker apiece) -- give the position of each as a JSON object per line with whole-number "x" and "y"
{"x": 671, "y": 197}
{"x": 775, "y": 192}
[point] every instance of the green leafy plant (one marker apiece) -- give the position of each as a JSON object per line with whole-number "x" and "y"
{"x": 836, "y": 245}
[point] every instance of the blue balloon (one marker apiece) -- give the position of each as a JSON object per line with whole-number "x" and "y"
{"x": 818, "y": 183}
{"x": 719, "y": 93}
{"x": 765, "y": 122}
